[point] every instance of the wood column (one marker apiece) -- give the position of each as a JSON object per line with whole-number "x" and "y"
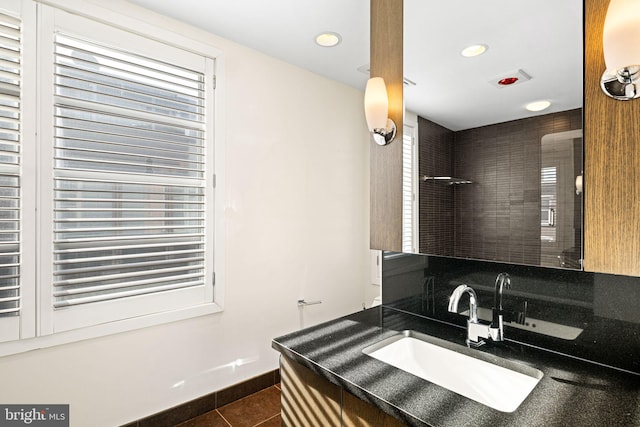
{"x": 612, "y": 160}
{"x": 386, "y": 161}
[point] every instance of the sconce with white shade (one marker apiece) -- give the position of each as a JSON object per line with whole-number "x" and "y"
{"x": 579, "y": 185}
{"x": 621, "y": 43}
{"x": 376, "y": 110}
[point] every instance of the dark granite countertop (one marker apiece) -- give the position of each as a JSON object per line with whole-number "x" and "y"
{"x": 571, "y": 393}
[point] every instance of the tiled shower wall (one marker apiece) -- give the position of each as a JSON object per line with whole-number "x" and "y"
{"x": 498, "y": 216}
{"x": 436, "y": 218}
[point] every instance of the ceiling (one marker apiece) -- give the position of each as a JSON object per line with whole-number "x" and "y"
{"x": 542, "y": 37}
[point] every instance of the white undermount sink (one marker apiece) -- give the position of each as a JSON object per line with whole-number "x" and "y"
{"x": 495, "y": 382}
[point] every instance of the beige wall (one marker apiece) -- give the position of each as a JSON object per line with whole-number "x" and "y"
{"x": 296, "y": 206}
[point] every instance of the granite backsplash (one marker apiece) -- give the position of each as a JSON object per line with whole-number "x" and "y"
{"x": 590, "y": 316}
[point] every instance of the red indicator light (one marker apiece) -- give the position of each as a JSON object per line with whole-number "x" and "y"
{"x": 507, "y": 81}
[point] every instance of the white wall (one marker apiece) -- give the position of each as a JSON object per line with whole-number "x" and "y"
{"x": 297, "y": 169}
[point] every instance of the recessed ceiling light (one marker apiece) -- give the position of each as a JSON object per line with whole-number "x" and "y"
{"x": 328, "y": 39}
{"x": 538, "y": 105}
{"x": 474, "y": 50}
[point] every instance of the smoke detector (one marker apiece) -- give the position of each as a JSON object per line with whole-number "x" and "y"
{"x": 510, "y": 79}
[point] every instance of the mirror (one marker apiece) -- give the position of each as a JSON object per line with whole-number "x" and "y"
{"x": 486, "y": 178}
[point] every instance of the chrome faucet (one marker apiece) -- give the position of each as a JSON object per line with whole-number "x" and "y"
{"x": 476, "y": 329}
{"x": 503, "y": 280}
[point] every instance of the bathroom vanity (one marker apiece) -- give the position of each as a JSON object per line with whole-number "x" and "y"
{"x": 586, "y": 321}
{"x": 326, "y": 373}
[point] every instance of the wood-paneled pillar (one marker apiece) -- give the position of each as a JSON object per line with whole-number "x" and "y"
{"x": 386, "y": 161}
{"x": 612, "y": 161}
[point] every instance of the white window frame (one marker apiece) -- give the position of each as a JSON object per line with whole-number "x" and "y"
{"x": 39, "y": 325}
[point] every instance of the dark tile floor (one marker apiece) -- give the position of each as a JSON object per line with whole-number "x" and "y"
{"x": 261, "y": 409}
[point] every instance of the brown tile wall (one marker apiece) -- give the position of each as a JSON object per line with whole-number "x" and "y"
{"x": 435, "y": 206}
{"x": 498, "y": 216}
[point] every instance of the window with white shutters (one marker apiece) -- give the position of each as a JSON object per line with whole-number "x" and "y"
{"x": 10, "y": 116}
{"x": 107, "y": 199}
{"x": 129, "y": 175}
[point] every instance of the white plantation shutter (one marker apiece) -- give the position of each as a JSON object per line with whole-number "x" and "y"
{"x": 129, "y": 176}
{"x": 408, "y": 190}
{"x": 10, "y": 159}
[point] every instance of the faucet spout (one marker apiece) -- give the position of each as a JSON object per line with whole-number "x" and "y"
{"x": 503, "y": 280}
{"x": 454, "y": 300}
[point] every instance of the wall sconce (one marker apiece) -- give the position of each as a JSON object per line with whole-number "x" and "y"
{"x": 621, "y": 43}
{"x": 579, "y": 185}
{"x": 376, "y": 110}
